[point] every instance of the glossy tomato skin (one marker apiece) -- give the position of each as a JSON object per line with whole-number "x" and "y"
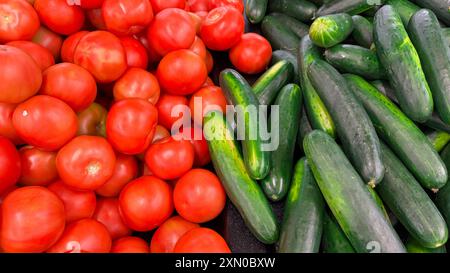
{"x": 170, "y": 158}
{"x": 197, "y": 21}
{"x": 127, "y": 17}
{"x": 86, "y": 235}
{"x": 20, "y": 76}
{"x": 160, "y": 133}
{"x": 171, "y": 29}
{"x": 70, "y": 44}
{"x": 197, "y": 5}
{"x": 129, "y": 244}
{"x": 222, "y": 28}
{"x": 41, "y": 55}
{"x": 6, "y": 125}
{"x": 32, "y": 220}
{"x": 77, "y": 204}
{"x": 198, "y": 47}
{"x": 5, "y": 193}
{"x": 91, "y": 4}
{"x": 237, "y": 4}
{"x": 38, "y": 166}
{"x": 49, "y": 40}
{"x": 205, "y": 100}
{"x": 135, "y": 51}
{"x": 137, "y": 83}
{"x": 59, "y": 16}
{"x": 10, "y": 165}
{"x": 181, "y": 72}
{"x": 125, "y": 170}
{"x": 18, "y": 21}
{"x": 165, "y": 105}
{"x": 92, "y": 121}
{"x": 159, "y": 5}
{"x": 201, "y": 240}
{"x": 102, "y": 54}
{"x": 167, "y": 235}
{"x": 149, "y": 194}
{"x": 130, "y": 125}
{"x": 252, "y": 54}
{"x": 195, "y": 135}
{"x": 45, "y": 122}
{"x": 86, "y": 162}
{"x": 107, "y": 213}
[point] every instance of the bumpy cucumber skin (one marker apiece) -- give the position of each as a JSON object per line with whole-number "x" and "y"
{"x": 318, "y": 114}
{"x": 402, "y": 64}
{"x": 256, "y": 10}
{"x": 443, "y": 196}
{"x": 351, "y": 7}
{"x": 362, "y": 31}
{"x": 410, "y": 203}
{"x": 279, "y": 55}
{"x": 270, "y": 83}
{"x": 412, "y": 246}
{"x": 239, "y": 93}
{"x": 329, "y": 30}
{"x": 299, "y": 28}
{"x": 404, "y": 8}
{"x": 299, "y": 9}
{"x": 401, "y": 134}
{"x": 353, "y": 125}
{"x": 279, "y": 36}
{"x": 242, "y": 190}
{"x": 439, "y": 7}
{"x": 426, "y": 35}
{"x": 438, "y": 139}
{"x": 347, "y": 196}
{"x": 333, "y": 238}
{"x": 356, "y": 60}
{"x": 276, "y": 184}
{"x": 301, "y": 229}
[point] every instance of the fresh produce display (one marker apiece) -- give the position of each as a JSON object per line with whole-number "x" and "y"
{"x": 224, "y": 126}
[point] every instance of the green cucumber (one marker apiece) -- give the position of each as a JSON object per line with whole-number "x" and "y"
{"x": 279, "y": 55}
{"x": 356, "y": 60}
{"x": 440, "y": 7}
{"x": 385, "y": 88}
{"x": 353, "y": 125}
{"x": 239, "y": 93}
{"x": 304, "y": 128}
{"x": 362, "y": 31}
{"x": 351, "y": 7}
{"x": 300, "y": 9}
{"x": 270, "y": 83}
{"x": 241, "y": 189}
{"x": 426, "y": 35}
{"x": 256, "y": 10}
{"x": 347, "y": 196}
{"x": 299, "y": 28}
{"x": 329, "y": 30}
{"x": 402, "y": 64}
{"x": 443, "y": 196}
{"x": 412, "y": 246}
{"x": 301, "y": 229}
{"x": 333, "y": 238}
{"x": 446, "y": 33}
{"x": 279, "y": 36}
{"x": 276, "y": 183}
{"x": 401, "y": 134}
{"x": 436, "y": 123}
{"x": 318, "y": 114}
{"x": 438, "y": 139}
{"x": 378, "y": 201}
{"x": 410, "y": 203}
{"x": 404, "y": 8}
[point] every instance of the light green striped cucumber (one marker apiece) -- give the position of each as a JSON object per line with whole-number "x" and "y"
{"x": 329, "y": 30}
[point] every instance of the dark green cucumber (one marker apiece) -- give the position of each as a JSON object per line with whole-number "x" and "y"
{"x": 318, "y": 114}
{"x": 404, "y": 8}
{"x": 440, "y": 7}
{"x": 351, "y": 7}
{"x": 333, "y": 238}
{"x": 436, "y": 123}
{"x": 279, "y": 36}
{"x": 378, "y": 201}
{"x": 438, "y": 139}
{"x": 426, "y": 35}
{"x": 356, "y": 60}
{"x": 256, "y": 10}
{"x": 347, "y": 196}
{"x": 299, "y": 28}
{"x": 303, "y": 129}
{"x": 446, "y": 33}
{"x": 401, "y": 134}
{"x": 300, "y": 9}
{"x": 385, "y": 88}
{"x": 353, "y": 125}
{"x": 270, "y": 83}
{"x": 362, "y": 31}
{"x": 443, "y": 196}
{"x": 239, "y": 93}
{"x": 301, "y": 229}
{"x": 402, "y": 64}
{"x": 279, "y": 55}
{"x": 329, "y": 30}
{"x": 410, "y": 203}
{"x": 241, "y": 189}
{"x": 276, "y": 183}
{"x": 412, "y": 246}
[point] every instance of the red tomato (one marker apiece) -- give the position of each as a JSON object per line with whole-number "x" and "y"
{"x": 181, "y": 72}
{"x": 42, "y": 56}
{"x": 136, "y": 52}
{"x": 92, "y": 121}
{"x": 197, "y": 5}
{"x": 127, "y": 17}
{"x": 170, "y": 30}
{"x": 70, "y": 44}
{"x": 32, "y": 220}
{"x": 165, "y": 105}
{"x": 222, "y": 28}
{"x": 91, "y": 4}
{"x": 6, "y": 124}
{"x": 148, "y": 194}
{"x": 159, "y": 5}
{"x": 209, "y": 61}
{"x": 20, "y": 76}
{"x": 45, "y": 122}
{"x": 86, "y": 162}
{"x": 49, "y": 40}
{"x": 201, "y": 240}
{"x": 77, "y": 204}
{"x": 198, "y": 47}
{"x": 195, "y": 135}
{"x": 166, "y": 236}
{"x": 95, "y": 17}
{"x": 86, "y": 235}
{"x": 160, "y": 133}
{"x": 237, "y": 4}
{"x": 38, "y": 167}
{"x": 10, "y": 168}
{"x": 3, "y": 196}
{"x": 197, "y": 21}
{"x": 130, "y": 125}
{"x": 252, "y": 54}
{"x": 59, "y": 16}
{"x": 102, "y": 54}
{"x": 170, "y": 158}
{"x": 205, "y": 100}
{"x": 208, "y": 82}
{"x": 125, "y": 170}
{"x": 107, "y": 213}
{"x": 137, "y": 83}
{"x": 70, "y": 83}
{"x": 18, "y": 21}
{"x": 129, "y": 244}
